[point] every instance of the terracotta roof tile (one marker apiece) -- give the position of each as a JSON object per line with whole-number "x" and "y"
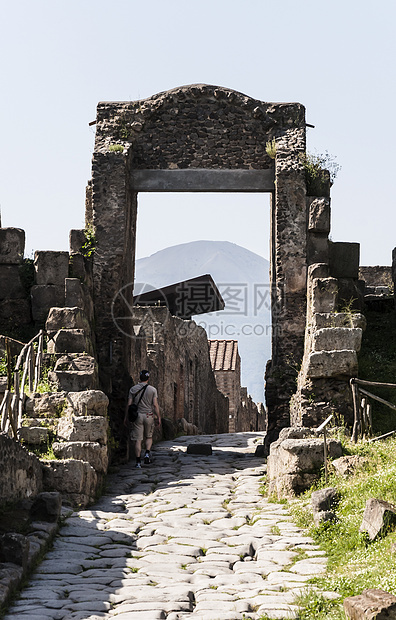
{"x": 223, "y": 354}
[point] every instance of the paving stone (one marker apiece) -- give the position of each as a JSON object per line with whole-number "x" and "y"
{"x": 163, "y": 537}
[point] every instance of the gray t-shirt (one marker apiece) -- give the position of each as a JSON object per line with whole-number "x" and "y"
{"x": 146, "y": 403}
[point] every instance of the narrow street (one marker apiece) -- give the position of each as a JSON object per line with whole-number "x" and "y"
{"x": 186, "y": 537}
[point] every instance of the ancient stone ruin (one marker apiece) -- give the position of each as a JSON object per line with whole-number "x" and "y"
{"x": 197, "y": 138}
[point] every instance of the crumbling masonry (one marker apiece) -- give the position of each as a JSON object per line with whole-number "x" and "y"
{"x": 196, "y": 138}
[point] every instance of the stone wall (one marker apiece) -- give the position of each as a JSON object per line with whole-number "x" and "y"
{"x": 21, "y": 473}
{"x": 394, "y": 272}
{"x": 377, "y": 275}
{"x": 332, "y": 341}
{"x": 251, "y": 416}
{"x": 15, "y": 273}
{"x": 202, "y": 129}
{"x": 176, "y": 352}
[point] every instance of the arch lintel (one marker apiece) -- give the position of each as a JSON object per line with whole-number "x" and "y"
{"x": 203, "y": 180}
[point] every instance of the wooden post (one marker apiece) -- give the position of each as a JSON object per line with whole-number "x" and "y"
{"x": 22, "y": 390}
{"x": 356, "y": 417}
{"x": 325, "y": 452}
{"x": 8, "y": 355}
{"x": 370, "y": 419}
{"x": 37, "y": 368}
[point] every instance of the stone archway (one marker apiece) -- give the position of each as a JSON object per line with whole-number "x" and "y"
{"x": 201, "y": 138}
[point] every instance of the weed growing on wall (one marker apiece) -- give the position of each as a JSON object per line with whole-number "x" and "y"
{"x": 270, "y": 148}
{"x": 89, "y": 246}
{"x": 116, "y": 148}
{"x": 321, "y": 170}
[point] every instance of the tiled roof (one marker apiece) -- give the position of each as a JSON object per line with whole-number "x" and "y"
{"x": 223, "y": 354}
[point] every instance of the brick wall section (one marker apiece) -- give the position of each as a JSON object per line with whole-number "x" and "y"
{"x": 21, "y": 473}
{"x": 376, "y": 275}
{"x": 176, "y": 353}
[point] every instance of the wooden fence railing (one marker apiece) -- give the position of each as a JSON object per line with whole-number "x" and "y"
{"x": 27, "y": 368}
{"x": 362, "y": 414}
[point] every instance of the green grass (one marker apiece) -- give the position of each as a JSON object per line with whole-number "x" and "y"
{"x": 354, "y": 563}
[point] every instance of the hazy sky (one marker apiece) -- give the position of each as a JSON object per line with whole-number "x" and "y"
{"x": 59, "y": 58}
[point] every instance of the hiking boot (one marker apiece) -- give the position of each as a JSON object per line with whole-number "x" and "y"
{"x": 138, "y": 465}
{"x": 147, "y": 458}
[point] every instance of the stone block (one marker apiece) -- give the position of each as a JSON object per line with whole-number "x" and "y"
{"x": 15, "y": 311}
{"x": 202, "y": 449}
{"x": 337, "y": 339}
{"x": 46, "y": 507}
{"x": 324, "y": 294}
{"x": 322, "y": 516}
{"x": 83, "y": 428}
{"x": 293, "y": 465}
{"x": 74, "y": 293}
{"x": 12, "y": 246}
{"x": 332, "y": 364}
{"x": 350, "y": 294}
{"x": 318, "y": 270}
{"x": 169, "y": 430}
{"x": 347, "y": 465}
{"x": 324, "y": 499}
{"x": 10, "y": 283}
{"x": 14, "y": 548}
{"x": 76, "y": 239}
{"x": 317, "y": 248}
{"x": 45, "y": 297}
{"x": 50, "y": 404}
{"x": 344, "y": 260}
{"x": 261, "y": 451}
{"x": 69, "y": 341}
{"x": 88, "y": 403}
{"x": 293, "y": 456}
{"x": 77, "y": 267}
{"x": 394, "y": 265}
{"x": 33, "y": 435}
{"x": 66, "y": 318}
{"x": 371, "y": 605}
{"x": 319, "y": 214}
{"x": 378, "y": 517}
{"x": 51, "y": 267}
{"x": 295, "y": 432}
{"x": 75, "y": 372}
{"x": 355, "y": 320}
{"x": 21, "y": 472}
{"x": 289, "y": 485}
{"x": 74, "y": 479}
{"x": 50, "y": 423}
{"x": 88, "y": 451}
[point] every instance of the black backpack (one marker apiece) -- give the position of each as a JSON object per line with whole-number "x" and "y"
{"x": 133, "y": 408}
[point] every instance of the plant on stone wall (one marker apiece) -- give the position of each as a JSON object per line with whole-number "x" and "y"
{"x": 320, "y": 170}
{"x": 270, "y": 148}
{"x": 116, "y": 148}
{"x": 89, "y": 247}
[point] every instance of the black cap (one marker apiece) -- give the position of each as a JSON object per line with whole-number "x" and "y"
{"x": 144, "y": 375}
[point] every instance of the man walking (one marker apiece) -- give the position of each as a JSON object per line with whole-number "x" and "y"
{"x": 146, "y": 397}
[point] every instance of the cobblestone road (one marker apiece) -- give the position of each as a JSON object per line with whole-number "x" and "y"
{"x": 184, "y": 537}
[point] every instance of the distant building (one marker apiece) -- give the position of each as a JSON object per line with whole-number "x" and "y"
{"x": 244, "y": 414}
{"x": 226, "y": 365}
